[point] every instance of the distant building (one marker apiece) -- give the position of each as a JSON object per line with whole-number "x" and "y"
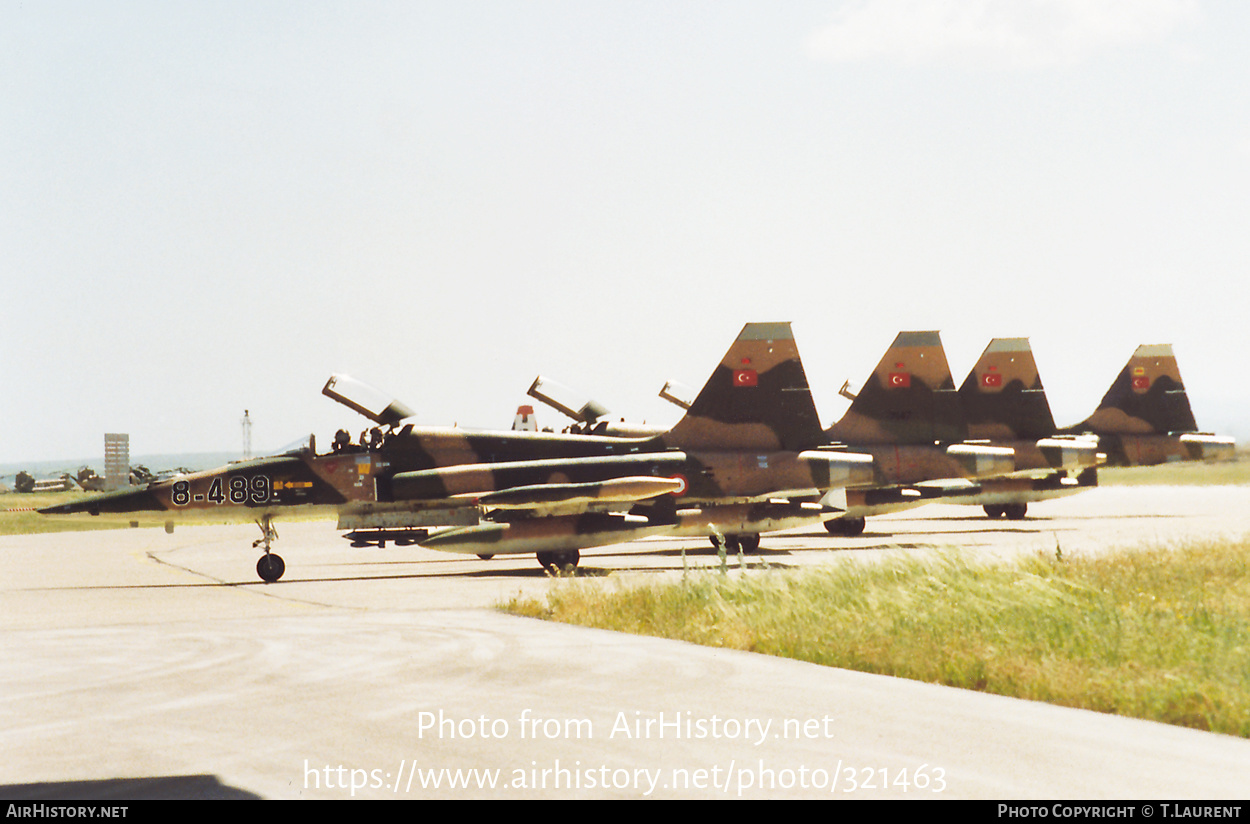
{"x": 116, "y": 461}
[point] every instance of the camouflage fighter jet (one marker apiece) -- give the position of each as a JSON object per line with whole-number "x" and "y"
{"x": 1144, "y": 419}
{"x": 747, "y": 457}
{"x": 909, "y": 417}
{"x": 1004, "y": 402}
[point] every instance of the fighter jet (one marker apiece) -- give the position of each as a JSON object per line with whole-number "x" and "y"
{"x": 1004, "y": 402}
{"x": 909, "y": 419}
{"x": 907, "y": 416}
{"x": 1144, "y": 419}
{"x": 747, "y": 457}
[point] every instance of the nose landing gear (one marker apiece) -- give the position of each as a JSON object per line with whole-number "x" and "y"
{"x": 270, "y": 566}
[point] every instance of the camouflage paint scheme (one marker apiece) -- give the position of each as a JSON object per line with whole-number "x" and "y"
{"x": 907, "y": 416}
{"x": 1145, "y": 418}
{"x": 1004, "y": 401}
{"x": 751, "y": 436}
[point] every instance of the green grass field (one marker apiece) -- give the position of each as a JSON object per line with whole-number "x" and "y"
{"x": 1161, "y": 634}
{"x": 1232, "y": 472}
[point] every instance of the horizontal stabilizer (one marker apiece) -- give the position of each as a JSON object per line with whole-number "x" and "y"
{"x": 1071, "y": 453}
{"x": 1203, "y": 447}
{"x": 981, "y": 461}
{"x": 839, "y": 469}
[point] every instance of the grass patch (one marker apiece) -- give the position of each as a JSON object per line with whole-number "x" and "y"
{"x": 1161, "y": 634}
{"x": 1183, "y": 473}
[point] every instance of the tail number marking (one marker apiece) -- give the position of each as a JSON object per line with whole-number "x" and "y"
{"x": 238, "y": 490}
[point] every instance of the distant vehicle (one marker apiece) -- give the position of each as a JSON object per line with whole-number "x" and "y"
{"x": 89, "y": 480}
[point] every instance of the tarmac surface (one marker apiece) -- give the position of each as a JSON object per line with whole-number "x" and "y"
{"x": 143, "y": 664}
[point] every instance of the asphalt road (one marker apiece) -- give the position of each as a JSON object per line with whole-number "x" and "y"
{"x": 137, "y": 663}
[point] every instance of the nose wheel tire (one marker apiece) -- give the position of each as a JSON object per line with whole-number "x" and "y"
{"x": 270, "y": 567}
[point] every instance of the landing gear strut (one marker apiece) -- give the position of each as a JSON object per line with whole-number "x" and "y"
{"x": 270, "y": 566}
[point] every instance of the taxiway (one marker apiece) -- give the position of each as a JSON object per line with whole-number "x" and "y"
{"x": 139, "y": 663}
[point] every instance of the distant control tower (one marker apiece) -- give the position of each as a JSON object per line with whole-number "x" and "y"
{"x": 247, "y": 436}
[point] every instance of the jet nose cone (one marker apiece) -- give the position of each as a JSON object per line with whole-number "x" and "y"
{"x": 126, "y": 500}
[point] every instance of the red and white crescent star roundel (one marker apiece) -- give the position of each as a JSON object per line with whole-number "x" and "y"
{"x": 746, "y": 377}
{"x": 681, "y": 490}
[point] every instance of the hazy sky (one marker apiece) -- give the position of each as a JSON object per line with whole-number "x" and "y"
{"x": 212, "y": 206}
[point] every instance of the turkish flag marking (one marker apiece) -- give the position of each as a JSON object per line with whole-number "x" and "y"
{"x": 1141, "y": 383}
{"x": 746, "y": 377}
{"x": 991, "y": 379}
{"x": 899, "y": 380}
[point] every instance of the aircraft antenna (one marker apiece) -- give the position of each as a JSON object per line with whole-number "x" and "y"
{"x": 247, "y": 436}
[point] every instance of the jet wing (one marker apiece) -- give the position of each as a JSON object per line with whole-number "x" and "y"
{"x": 565, "y": 482}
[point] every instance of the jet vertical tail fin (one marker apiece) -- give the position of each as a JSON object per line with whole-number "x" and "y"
{"x": 1147, "y": 397}
{"x": 1002, "y": 398}
{"x": 757, "y": 398}
{"x": 909, "y": 398}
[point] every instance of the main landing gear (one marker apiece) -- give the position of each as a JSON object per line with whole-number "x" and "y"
{"x": 270, "y": 566}
{"x": 744, "y": 542}
{"x": 846, "y": 527}
{"x": 1014, "y": 512}
{"x": 560, "y": 561}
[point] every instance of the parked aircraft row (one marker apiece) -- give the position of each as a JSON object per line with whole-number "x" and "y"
{"x": 1143, "y": 420}
{"x": 749, "y": 456}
